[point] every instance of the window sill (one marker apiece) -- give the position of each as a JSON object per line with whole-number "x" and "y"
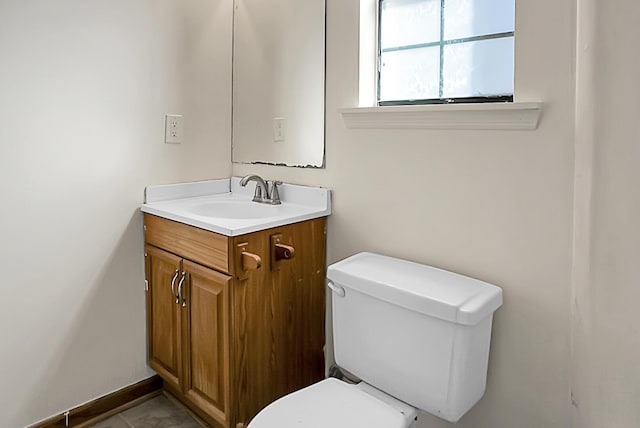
{"x": 495, "y": 116}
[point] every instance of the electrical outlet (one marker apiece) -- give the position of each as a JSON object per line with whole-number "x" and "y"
{"x": 278, "y": 129}
{"x": 173, "y": 128}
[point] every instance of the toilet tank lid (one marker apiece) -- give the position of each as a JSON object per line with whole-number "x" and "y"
{"x": 421, "y": 288}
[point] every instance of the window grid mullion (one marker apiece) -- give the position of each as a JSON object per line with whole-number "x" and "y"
{"x": 449, "y": 42}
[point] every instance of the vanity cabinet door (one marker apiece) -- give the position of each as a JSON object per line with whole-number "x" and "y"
{"x": 206, "y": 315}
{"x": 163, "y": 314}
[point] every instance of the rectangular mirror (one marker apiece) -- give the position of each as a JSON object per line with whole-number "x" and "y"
{"x": 279, "y": 82}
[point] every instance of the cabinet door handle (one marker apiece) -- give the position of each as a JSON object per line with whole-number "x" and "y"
{"x": 251, "y": 261}
{"x": 183, "y": 296}
{"x": 173, "y": 282}
{"x": 180, "y": 284}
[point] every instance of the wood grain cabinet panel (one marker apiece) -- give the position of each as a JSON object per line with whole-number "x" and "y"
{"x": 163, "y": 315}
{"x": 279, "y": 317}
{"x": 207, "y": 341}
{"x": 202, "y": 246}
{"x": 243, "y": 334}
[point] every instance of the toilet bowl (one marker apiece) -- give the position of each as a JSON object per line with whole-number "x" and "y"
{"x": 336, "y": 404}
{"x": 418, "y": 337}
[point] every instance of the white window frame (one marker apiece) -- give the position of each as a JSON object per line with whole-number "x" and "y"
{"x": 516, "y": 115}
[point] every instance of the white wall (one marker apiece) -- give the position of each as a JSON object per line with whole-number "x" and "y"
{"x": 606, "y": 330}
{"x": 496, "y": 205}
{"x": 84, "y": 87}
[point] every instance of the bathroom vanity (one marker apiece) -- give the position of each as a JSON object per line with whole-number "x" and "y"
{"x": 235, "y": 307}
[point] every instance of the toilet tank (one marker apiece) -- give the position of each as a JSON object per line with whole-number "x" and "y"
{"x": 418, "y": 333}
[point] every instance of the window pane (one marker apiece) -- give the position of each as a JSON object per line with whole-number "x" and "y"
{"x": 468, "y": 18}
{"x": 477, "y": 69}
{"x": 410, "y": 74}
{"x": 409, "y": 22}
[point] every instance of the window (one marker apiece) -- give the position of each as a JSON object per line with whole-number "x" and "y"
{"x": 442, "y": 51}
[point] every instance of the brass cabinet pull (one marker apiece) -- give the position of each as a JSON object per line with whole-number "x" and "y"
{"x": 250, "y": 261}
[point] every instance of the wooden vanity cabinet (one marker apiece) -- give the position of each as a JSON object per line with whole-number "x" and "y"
{"x": 238, "y": 338}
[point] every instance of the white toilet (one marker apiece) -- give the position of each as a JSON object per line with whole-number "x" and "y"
{"x": 418, "y": 337}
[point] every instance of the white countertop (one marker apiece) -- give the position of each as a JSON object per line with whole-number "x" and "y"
{"x": 184, "y": 203}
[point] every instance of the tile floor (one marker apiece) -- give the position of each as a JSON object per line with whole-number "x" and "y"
{"x": 158, "y": 412}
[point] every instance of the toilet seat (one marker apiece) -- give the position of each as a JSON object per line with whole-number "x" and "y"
{"x": 333, "y": 404}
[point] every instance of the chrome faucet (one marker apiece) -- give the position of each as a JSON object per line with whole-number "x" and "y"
{"x": 266, "y": 192}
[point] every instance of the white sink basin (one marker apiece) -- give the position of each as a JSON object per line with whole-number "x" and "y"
{"x": 231, "y": 209}
{"x": 224, "y": 207}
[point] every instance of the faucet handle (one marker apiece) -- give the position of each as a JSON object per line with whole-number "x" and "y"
{"x": 257, "y": 194}
{"x": 274, "y": 194}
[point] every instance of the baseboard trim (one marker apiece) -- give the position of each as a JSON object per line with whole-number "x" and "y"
{"x": 94, "y": 410}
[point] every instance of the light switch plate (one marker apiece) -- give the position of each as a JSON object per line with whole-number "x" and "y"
{"x": 173, "y": 128}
